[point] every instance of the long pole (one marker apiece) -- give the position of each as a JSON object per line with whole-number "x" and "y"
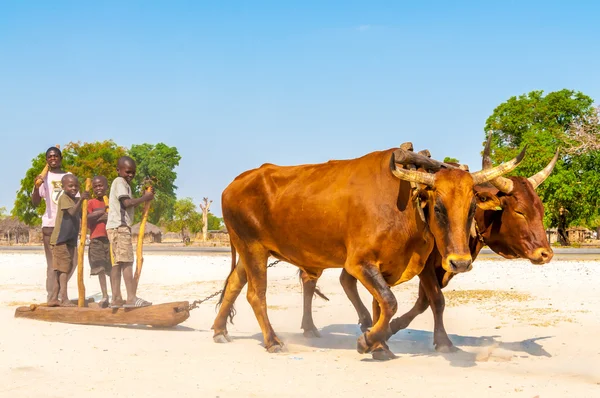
{"x": 81, "y": 251}
{"x": 140, "y": 244}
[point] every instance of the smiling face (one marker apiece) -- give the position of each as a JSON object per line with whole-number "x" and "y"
{"x": 99, "y": 186}
{"x": 54, "y": 159}
{"x": 126, "y": 169}
{"x": 70, "y": 184}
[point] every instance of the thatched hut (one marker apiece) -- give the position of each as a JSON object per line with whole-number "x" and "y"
{"x": 11, "y": 229}
{"x": 152, "y": 234}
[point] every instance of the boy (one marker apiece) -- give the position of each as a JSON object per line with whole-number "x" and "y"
{"x": 99, "y": 250}
{"x": 64, "y": 239}
{"x": 49, "y": 189}
{"x": 118, "y": 227}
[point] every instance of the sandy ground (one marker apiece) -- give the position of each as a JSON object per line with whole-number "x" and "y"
{"x": 522, "y": 330}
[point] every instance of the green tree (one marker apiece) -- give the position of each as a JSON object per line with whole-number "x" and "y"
{"x": 156, "y": 162}
{"x": 93, "y": 158}
{"x": 449, "y": 159}
{"x": 83, "y": 160}
{"x": 3, "y": 213}
{"x": 185, "y": 218}
{"x": 543, "y": 123}
{"x": 214, "y": 223}
{"x": 23, "y": 208}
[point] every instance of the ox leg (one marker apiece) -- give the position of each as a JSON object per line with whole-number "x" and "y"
{"x": 309, "y": 284}
{"x": 418, "y": 308}
{"x": 255, "y": 261}
{"x": 434, "y": 294}
{"x": 235, "y": 282}
{"x": 374, "y": 340}
{"x": 348, "y": 282}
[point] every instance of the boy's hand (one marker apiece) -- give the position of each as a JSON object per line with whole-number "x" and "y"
{"x": 39, "y": 180}
{"x": 148, "y": 196}
{"x": 103, "y": 217}
{"x": 85, "y": 195}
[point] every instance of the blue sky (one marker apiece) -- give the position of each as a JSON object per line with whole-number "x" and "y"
{"x": 236, "y": 84}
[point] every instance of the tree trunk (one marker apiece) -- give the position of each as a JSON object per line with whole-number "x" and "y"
{"x": 205, "y": 206}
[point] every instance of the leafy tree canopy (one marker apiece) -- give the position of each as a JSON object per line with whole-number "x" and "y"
{"x": 156, "y": 162}
{"x": 100, "y": 158}
{"x": 185, "y": 217}
{"x": 449, "y": 159}
{"x": 543, "y": 123}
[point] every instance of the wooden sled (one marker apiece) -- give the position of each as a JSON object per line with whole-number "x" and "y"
{"x": 160, "y": 315}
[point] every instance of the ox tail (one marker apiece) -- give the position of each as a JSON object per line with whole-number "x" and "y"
{"x": 222, "y": 296}
{"x": 317, "y": 290}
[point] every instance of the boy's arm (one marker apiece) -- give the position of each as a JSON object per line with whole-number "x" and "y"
{"x": 129, "y": 202}
{"x": 96, "y": 215}
{"x": 75, "y": 210}
{"x": 36, "y": 196}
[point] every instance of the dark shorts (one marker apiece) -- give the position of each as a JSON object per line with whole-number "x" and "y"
{"x": 62, "y": 257}
{"x": 99, "y": 256}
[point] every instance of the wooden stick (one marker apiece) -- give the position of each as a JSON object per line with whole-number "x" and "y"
{"x": 112, "y": 255}
{"x": 404, "y": 157}
{"x": 140, "y": 244}
{"x": 81, "y": 251}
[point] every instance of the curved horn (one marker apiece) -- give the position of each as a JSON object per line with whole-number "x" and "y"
{"x": 538, "y": 178}
{"x": 495, "y": 172}
{"x": 503, "y": 184}
{"x": 414, "y": 176}
{"x": 486, "y": 162}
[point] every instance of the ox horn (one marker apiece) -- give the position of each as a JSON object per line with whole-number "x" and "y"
{"x": 502, "y": 183}
{"x": 538, "y": 178}
{"x": 414, "y": 176}
{"x": 495, "y": 172}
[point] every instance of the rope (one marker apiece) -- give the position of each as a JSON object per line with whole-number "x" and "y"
{"x": 196, "y": 303}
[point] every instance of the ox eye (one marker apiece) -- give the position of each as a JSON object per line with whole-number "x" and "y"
{"x": 519, "y": 213}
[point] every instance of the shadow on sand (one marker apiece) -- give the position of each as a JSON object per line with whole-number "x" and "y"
{"x": 413, "y": 342}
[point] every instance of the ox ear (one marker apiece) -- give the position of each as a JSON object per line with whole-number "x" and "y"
{"x": 422, "y": 195}
{"x": 488, "y": 201}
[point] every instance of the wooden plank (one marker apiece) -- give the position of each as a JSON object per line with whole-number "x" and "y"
{"x": 160, "y": 315}
{"x": 404, "y": 157}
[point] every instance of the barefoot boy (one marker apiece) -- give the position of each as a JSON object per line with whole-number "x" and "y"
{"x": 99, "y": 250}
{"x": 121, "y": 205}
{"x": 64, "y": 238}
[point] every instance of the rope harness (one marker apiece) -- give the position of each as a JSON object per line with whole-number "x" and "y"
{"x": 196, "y": 303}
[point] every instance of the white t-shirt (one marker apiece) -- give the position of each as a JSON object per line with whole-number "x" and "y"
{"x": 50, "y": 191}
{"x": 117, "y": 214}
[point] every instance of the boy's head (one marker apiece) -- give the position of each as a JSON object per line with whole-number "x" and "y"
{"x": 99, "y": 186}
{"x": 70, "y": 184}
{"x": 53, "y": 157}
{"x": 126, "y": 168}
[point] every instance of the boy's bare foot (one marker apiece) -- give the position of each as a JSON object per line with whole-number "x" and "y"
{"x": 103, "y": 303}
{"x": 118, "y": 303}
{"x": 67, "y": 303}
{"x": 53, "y": 303}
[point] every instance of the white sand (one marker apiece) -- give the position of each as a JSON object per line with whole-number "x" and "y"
{"x": 528, "y": 331}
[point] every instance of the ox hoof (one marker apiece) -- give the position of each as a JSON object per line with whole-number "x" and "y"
{"x": 361, "y": 344}
{"x": 446, "y": 348}
{"x": 222, "y": 338}
{"x": 383, "y": 354}
{"x": 311, "y": 334}
{"x": 275, "y": 348}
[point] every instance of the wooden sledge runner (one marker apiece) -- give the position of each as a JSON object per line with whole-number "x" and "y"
{"x": 160, "y": 315}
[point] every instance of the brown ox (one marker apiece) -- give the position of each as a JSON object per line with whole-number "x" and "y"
{"x": 512, "y": 226}
{"x": 354, "y": 214}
